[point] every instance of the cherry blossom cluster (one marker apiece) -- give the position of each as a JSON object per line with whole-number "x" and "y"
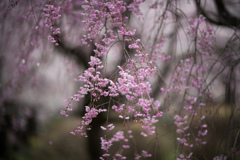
{"x": 104, "y": 27}
{"x": 123, "y": 139}
{"x": 189, "y": 72}
{"x": 52, "y": 14}
{"x": 134, "y": 87}
{"x": 158, "y": 54}
{"x": 92, "y": 83}
{"x": 189, "y": 80}
{"x": 134, "y": 6}
{"x": 96, "y": 18}
{"x": 202, "y": 131}
{"x": 205, "y": 35}
{"x": 117, "y": 137}
{"x": 182, "y": 129}
{"x": 133, "y": 83}
{"x": 194, "y": 23}
{"x": 86, "y": 120}
{"x": 98, "y": 14}
{"x": 148, "y": 125}
{"x": 198, "y": 71}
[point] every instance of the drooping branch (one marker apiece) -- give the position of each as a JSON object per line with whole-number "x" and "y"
{"x": 222, "y": 18}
